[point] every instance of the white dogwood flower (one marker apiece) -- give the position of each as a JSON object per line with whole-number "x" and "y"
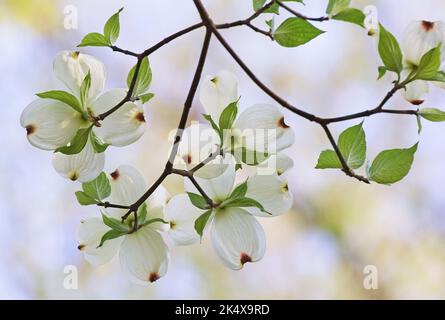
{"x": 260, "y": 128}
{"x": 52, "y": 123}
{"x": 82, "y": 167}
{"x": 198, "y": 142}
{"x": 419, "y": 38}
{"x": 143, "y": 253}
{"x": 237, "y": 236}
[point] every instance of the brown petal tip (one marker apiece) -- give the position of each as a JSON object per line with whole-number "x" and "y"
{"x": 244, "y": 258}
{"x": 115, "y": 174}
{"x": 73, "y": 175}
{"x": 80, "y": 247}
{"x": 140, "y": 117}
{"x": 153, "y": 276}
{"x": 188, "y": 158}
{"x": 282, "y": 124}
{"x": 417, "y": 102}
{"x": 30, "y": 129}
{"x": 428, "y": 25}
{"x": 75, "y": 54}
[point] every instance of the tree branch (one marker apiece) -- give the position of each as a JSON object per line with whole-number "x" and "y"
{"x": 299, "y": 15}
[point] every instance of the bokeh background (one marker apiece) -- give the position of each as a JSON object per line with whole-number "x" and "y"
{"x": 318, "y": 250}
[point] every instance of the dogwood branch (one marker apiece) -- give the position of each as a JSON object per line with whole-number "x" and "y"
{"x": 212, "y": 29}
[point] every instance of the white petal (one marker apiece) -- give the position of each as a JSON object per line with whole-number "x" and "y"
{"x": 89, "y": 234}
{"x": 127, "y": 186}
{"x": 198, "y": 142}
{"x": 144, "y": 256}
{"x": 124, "y": 126}
{"x": 72, "y": 67}
{"x": 264, "y": 129}
{"x": 272, "y": 192}
{"x": 277, "y": 164}
{"x": 415, "y": 92}
{"x": 420, "y": 37}
{"x": 50, "y": 124}
{"x": 181, "y": 214}
{"x": 83, "y": 167}
{"x": 156, "y": 206}
{"x": 237, "y": 237}
{"x": 219, "y": 188}
{"x": 217, "y": 92}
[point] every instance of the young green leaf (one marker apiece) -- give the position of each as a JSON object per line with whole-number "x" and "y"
{"x": 335, "y": 6}
{"x": 97, "y": 144}
{"x": 62, "y": 96}
{"x": 249, "y": 157}
{"x": 142, "y": 213}
{"x": 84, "y": 199}
{"x": 143, "y": 79}
{"x": 112, "y": 28}
{"x": 94, "y": 39}
{"x": 146, "y": 97}
{"x": 228, "y": 116}
{"x": 215, "y": 127}
{"x": 432, "y": 114}
{"x": 242, "y": 202}
{"x": 328, "y": 159}
{"x": 352, "y": 145}
{"x": 391, "y": 166}
{"x": 429, "y": 64}
{"x": 99, "y": 188}
{"x": 110, "y": 235}
{"x": 76, "y": 144}
{"x": 295, "y": 32}
{"x": 351, "y": 15}
{"x": 85, "y": 89}
{"x": 240, "y": 191}
{"x": 201, "y": 222}
{"x": 382, "y": 71}
{"x": 197, "y": 200}
{"x": 390, "y": 51}
{"x": 114, "y": 224}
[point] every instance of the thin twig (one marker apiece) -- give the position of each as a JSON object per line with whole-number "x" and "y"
{"x": 299, "y": 15}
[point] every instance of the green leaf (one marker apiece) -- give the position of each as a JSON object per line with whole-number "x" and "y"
{"x": 142, "y": 213}
{"x": 351, "y": 15}
{"x": 146, "y": 97}
{"x": 228, "y": 116}
{"x": 439, "y": 76}
{"x": 97, "y": 144}
{"x": 197, "y": 200}
{"x": 115, "y": 224}
{"x": 390, "y": 51}
{"x": 99, "y": 188}
{"x": 84, "y": 199}
{"x": 295, "y": 32}
{"x": 429, "y": 65}
{"x": 62, "y": 96}
{"x": 154, "y": 220}
{"x": 335, "y": 6}
{"x": 242, "y": 202}
{"x": 143, "y": 80}
{"x": 215, "y": 127}
{"x": 391, "y": 166}
{"x": 85, "y": 89}
{"x": 94, "y": 39}
{"x": 328, "y": 159}
{"x": 382, "y": 71}
{"x": 110, "y": 235}
{"x": 240, "y": 191}
{"x": 76, "y": 144}
{"x": 249, "y": 157}
{"x": 201, "y": 222}
{"x": 352, "y": 145}
{"x": 432, "y": 114}
{"x": 112, "y": 28}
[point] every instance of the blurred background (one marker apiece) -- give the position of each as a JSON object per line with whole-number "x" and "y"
{"x": 337, "y": 226}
